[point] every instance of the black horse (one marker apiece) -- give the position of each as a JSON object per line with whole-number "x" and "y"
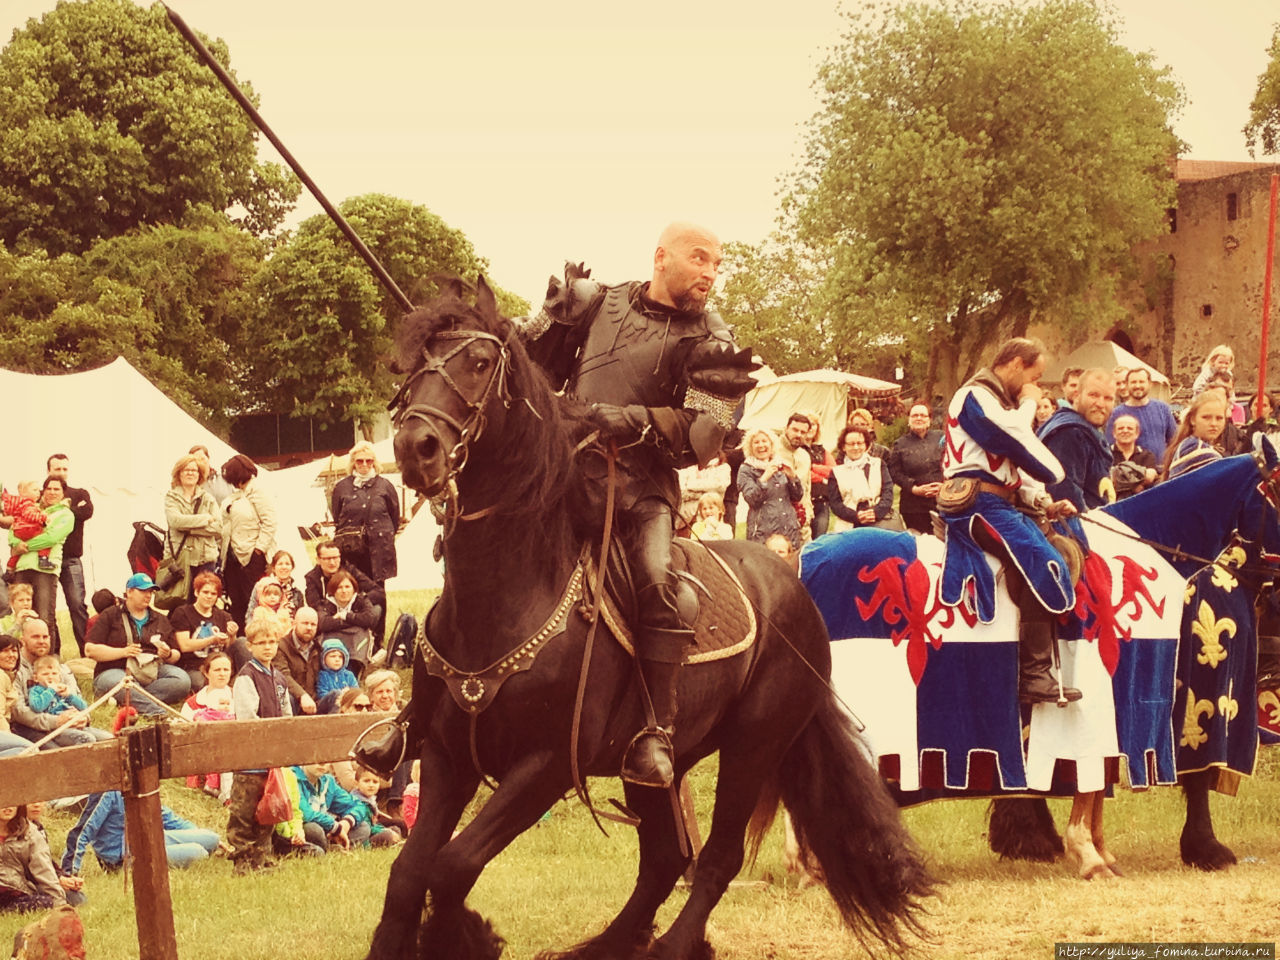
{"x": 477, "y": 421}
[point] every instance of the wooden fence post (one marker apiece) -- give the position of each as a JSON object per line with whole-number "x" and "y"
{"x": 145, "y": 749}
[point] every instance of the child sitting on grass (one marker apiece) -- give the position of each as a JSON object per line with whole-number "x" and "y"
{"x": 334, "y": 677}
{"x": 382, "y": 832}
{"x": 329, "y": 814}
{"x": 21, "y": 600}
{"x": 409, "y": 804}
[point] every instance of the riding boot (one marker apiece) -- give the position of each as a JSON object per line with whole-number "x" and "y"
{"x": 1036, "y": 681}
{"x": 650, "y": 757}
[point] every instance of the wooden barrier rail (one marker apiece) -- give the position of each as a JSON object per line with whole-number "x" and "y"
{"x": 137, "y": 761}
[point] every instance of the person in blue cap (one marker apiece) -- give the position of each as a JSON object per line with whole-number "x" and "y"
{"x": 134, "y": 638}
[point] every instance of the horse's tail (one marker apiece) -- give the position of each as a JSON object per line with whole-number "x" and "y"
{"x": 845, "y": 818}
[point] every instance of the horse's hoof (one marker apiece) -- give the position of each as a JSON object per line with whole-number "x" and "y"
{"x": 1210, "y": 856}
{"x": 1115, "y": 868}
{"x": 1099, "y": 871}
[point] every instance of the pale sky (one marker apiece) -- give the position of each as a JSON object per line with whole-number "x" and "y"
{"x": 577, "y": 130}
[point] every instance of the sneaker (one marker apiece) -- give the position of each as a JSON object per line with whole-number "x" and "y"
{"x": 378, "y": 659}
{"x": 44, "y": 563}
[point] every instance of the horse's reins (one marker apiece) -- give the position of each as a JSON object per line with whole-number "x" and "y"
{"x": 1177, "y": 554}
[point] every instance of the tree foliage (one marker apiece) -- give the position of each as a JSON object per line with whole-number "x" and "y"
{"x": 1263, "y": 128}
{"x": 975, "y": 166}
{"x": 108, "y": 122}
{"x": 172, "y": 300}
{"x": 326, "y": 323}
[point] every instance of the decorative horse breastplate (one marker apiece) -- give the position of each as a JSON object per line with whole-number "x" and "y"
{"x": 473, "y": 691}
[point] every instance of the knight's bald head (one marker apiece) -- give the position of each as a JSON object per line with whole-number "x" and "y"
{"x": 685, "y": 265}
{"x": 684, "y": 233}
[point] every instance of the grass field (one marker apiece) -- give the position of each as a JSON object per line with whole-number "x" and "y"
{"x": 563, "y": 880}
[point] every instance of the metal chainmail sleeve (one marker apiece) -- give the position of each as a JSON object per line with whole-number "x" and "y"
{"x": 720, "y": 408}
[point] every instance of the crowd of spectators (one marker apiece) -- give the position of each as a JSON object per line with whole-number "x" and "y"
{"x": 194, "y": 654}
{"x": 796, "y": 489}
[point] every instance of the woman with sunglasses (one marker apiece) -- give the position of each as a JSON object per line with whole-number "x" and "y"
{"x": 351, "y": 700}
{"x": 366, "y": 517}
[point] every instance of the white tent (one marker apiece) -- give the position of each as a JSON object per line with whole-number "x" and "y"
{"x": 417, "y": 567}
{"x": 122, "y": 436}
{"x": 822, "y": 392}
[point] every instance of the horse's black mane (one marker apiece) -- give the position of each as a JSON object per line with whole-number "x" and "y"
{"x": 540, "y": 485}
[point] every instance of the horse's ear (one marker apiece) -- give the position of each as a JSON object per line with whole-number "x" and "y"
{"x": 486, "y": 303}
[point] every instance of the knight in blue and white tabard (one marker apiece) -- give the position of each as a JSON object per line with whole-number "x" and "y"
{"x": 994, "y": 500}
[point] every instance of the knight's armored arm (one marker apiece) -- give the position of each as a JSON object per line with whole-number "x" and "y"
{"x": 553, "y": 335}
{"x": 718, "y": 377}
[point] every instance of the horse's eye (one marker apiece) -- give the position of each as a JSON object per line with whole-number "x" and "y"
{"x": 481, "y": 365}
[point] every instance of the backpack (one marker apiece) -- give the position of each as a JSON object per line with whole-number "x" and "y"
{"x": 146, "y": 549}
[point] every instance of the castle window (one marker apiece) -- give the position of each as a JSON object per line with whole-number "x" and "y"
{"x": 1173, "y": 219}
{"x": 1206, "y": 310}
{"x": 1233, "y": 206}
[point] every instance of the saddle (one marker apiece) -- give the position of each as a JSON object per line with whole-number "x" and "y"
{"x": 724, "y": 622}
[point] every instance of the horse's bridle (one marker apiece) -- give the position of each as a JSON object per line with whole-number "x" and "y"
{"x": 470, "y": 429}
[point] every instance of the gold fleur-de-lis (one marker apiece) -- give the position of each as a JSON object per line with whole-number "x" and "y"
{"x": 1224, "y": 578}
{"x": 1192, "y": 733}
{"x": 1270, "y": 704}
{"x": 1228, "y": 707}
{"x": 1209, "y": 628}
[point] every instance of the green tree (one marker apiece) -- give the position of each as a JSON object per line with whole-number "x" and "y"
{"x": 973, "y": 167}
{"x": 173, "y": 300}
{"x": 775, "y": 297}
{"x": 108, "y": 122}
{"x": 768, "y": 297}
{"x": 53, "y": 321}
{"x": 328, "y": 325}
{"x": 193, "y": 279}
{"x": 1263, "y": 128}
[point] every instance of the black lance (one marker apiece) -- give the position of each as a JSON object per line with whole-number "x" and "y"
{"x": 347, "y": 230}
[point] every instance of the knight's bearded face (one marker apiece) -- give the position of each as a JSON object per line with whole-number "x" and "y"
{"x": 689, "y": 269}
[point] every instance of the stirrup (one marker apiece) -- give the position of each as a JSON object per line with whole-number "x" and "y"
{"x": 385, "y": 752}
{"x": 1062, "y": 697}
{"x": 658, "y": 768}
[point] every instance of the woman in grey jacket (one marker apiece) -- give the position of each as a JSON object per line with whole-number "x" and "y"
{"x": 193, "y": 519}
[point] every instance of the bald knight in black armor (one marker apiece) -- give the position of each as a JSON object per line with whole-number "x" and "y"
{"x": 660, "y": 376}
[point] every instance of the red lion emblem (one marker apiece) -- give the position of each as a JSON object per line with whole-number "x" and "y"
{"x": 1096, "y": 612}
{"x": 908, "y": 598}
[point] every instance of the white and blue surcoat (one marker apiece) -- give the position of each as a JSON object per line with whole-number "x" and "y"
{"x": 989, "y": 437}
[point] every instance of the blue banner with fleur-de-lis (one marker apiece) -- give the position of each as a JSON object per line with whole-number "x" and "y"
{"x": 1215, "y": 716}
